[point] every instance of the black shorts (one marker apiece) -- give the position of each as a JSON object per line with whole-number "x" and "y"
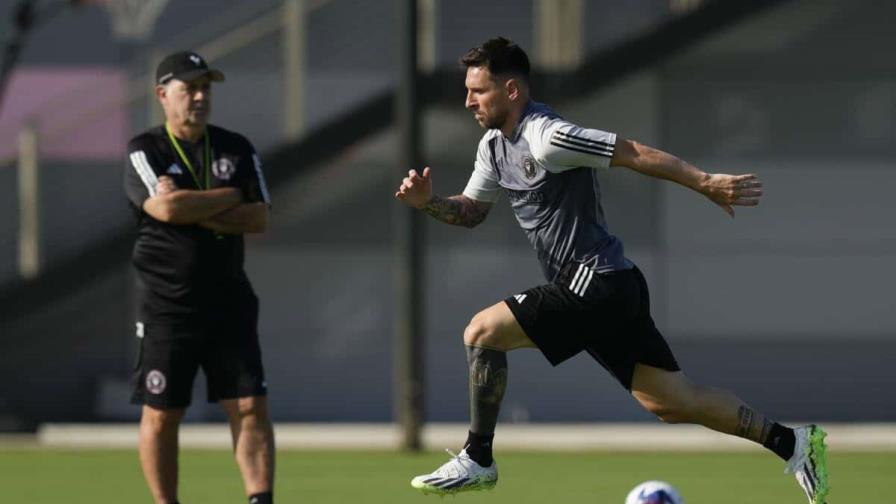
{"x": 605, "y": 314}
{"x": 170, "y": 353}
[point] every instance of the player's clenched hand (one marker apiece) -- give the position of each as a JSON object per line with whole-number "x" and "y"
{"x": 416, "y": 189}
{"x": 730, "y": 190}
{"x": 166, "y": 185}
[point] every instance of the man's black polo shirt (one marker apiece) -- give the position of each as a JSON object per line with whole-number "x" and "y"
{"x": 187, "y": 271}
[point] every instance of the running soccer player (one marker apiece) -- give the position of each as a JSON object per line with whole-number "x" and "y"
{"x": 596, "y": 299}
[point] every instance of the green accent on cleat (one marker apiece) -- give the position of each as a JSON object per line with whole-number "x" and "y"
{"x": 475, "y": 486}
{"x": 818, "y": 455}
{"x": 460, "y": 474}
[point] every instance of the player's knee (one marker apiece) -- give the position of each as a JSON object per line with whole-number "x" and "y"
{"x": 656, "y": 409}
{"x": 250, "y": 409}
{"x": 669, "y": 415}
{"x": 670, "y": 412}
{"x": 672, "y": 416}
{"x": 479, "y": 332}
{"x": 161, "y": 420}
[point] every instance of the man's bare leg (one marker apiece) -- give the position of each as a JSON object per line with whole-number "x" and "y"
{"x": 488, "y": 337}
{"x": 675, "y": 399}
{"x": 253, "y": 442}
{"x": 158, "y": 451}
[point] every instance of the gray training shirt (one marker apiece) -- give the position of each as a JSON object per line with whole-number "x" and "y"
{"x": 547, "y": 171}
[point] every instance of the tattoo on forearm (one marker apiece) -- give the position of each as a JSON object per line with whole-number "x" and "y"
{"x": 744, "y": 421}
{"x": 458, "y": 210}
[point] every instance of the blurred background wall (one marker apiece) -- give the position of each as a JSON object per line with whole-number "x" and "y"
{"x": 789, "y": 304}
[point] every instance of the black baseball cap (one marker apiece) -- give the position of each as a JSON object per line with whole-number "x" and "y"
{"x": 185, "y": 66}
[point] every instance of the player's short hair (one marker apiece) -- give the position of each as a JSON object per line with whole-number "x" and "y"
{"x": 501, "y": 56}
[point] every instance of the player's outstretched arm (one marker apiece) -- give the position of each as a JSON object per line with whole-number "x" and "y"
{"x": 183, "y": 206}
{"x": 722, "y": 189}
{"x": 459, "y": 210}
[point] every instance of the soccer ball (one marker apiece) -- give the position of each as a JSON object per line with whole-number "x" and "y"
{"x": 654, "y": 492}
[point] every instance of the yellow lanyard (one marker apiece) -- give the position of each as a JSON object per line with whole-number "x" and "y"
{"x": 207, "y": 155}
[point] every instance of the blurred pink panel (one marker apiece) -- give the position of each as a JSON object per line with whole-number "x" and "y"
{"x": 79, "y": 112}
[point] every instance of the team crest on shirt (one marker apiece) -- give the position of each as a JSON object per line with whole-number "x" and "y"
{"x": 155, "y": 382}
{"x": 529, "y": 167}
{"x": 223, "y": 168}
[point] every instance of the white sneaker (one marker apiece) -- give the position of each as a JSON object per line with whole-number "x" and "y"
{"x": 809, "y": 463}
{"x": 460, "y": 474}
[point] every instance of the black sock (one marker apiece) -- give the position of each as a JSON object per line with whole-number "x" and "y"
{"x": 479, "y": 448}
{"x": 781, "y": 440}
{"x": 262, "y": 498}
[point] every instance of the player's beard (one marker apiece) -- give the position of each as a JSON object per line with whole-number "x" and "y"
{"x": 495, "y": 121}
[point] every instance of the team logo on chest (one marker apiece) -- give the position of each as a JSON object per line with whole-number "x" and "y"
{"x": 223, "y": 168}
{"x": 529, "y": 167}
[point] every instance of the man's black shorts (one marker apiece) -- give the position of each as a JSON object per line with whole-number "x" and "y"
{"x": 170, "y": 353}
{"x": 605, "y": 314}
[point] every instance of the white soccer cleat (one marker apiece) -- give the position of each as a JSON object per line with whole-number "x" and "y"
{"x": 809, "y": 464}
{"x": 460, "y": 474}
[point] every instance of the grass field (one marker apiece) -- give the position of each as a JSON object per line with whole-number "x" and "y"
{"x": 73, "y": 477}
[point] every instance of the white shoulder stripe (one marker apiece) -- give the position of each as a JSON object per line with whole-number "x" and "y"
{"x": 582, "y": 147}
{"x": 580, "y": 140}
{"x": 586, "y": 283}
{"x": 261, "y": 182}
{"x": 575, "y": 280}
{"x": 583, "y": 144}
{"x": 144, "y": 170}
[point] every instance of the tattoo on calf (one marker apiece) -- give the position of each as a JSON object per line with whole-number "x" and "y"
{"x": 488, "y": 375}
{"x": 745, "y": 421}
{"x": 488, "y": 381}
{"x": 766, "y": 430}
